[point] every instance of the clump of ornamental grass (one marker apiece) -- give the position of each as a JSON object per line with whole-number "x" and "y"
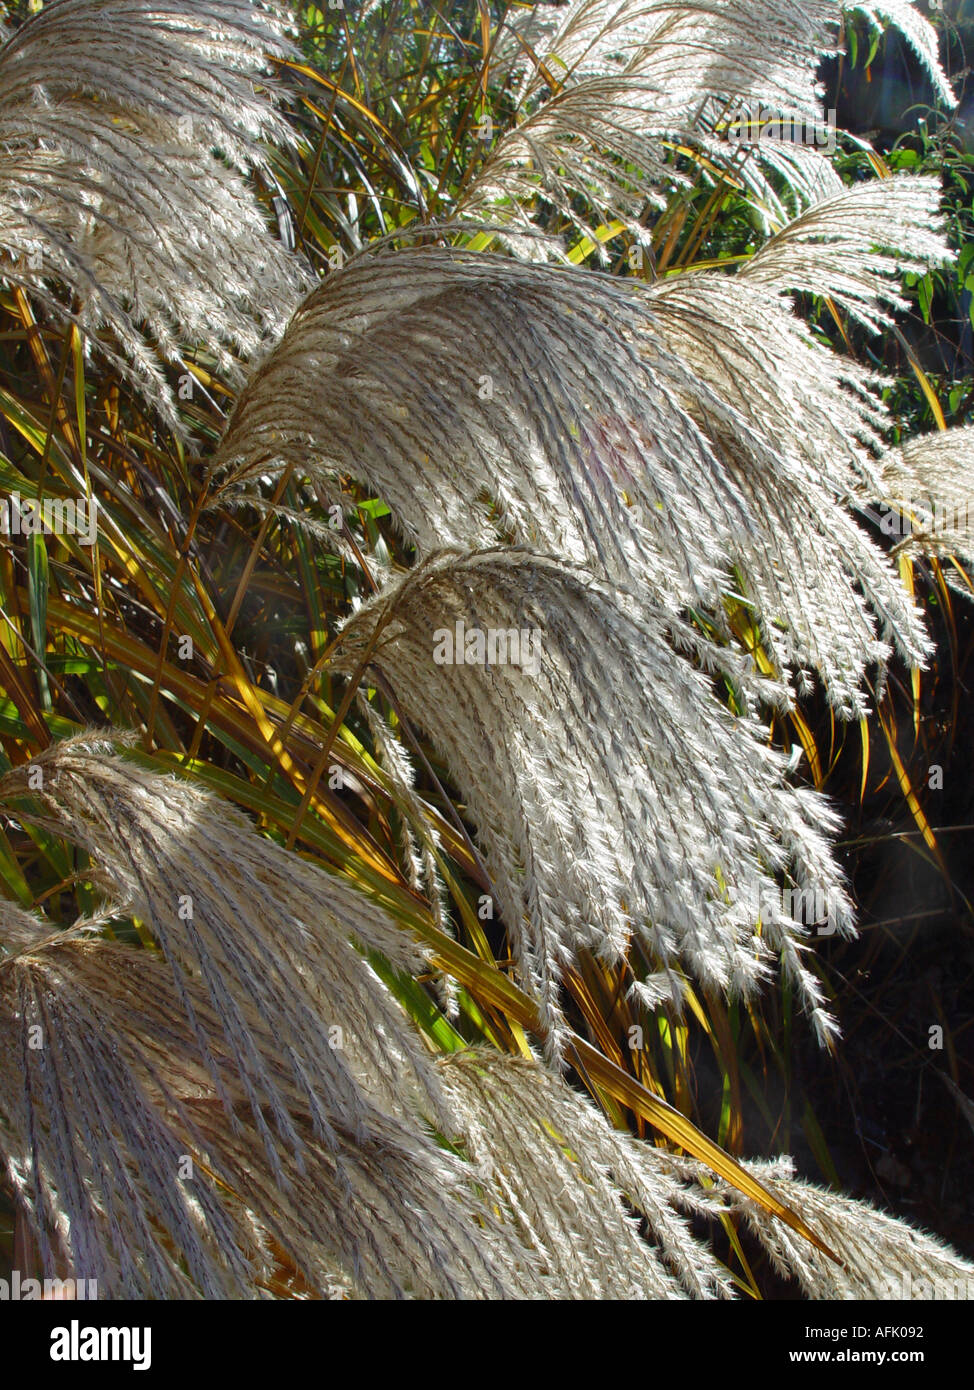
{"x": 609, "y": 470}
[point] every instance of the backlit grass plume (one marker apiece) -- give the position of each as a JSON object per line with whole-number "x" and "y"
{"x": 143, "y": 1178}
{"x": 879, "y": 1257}
{"x": 607, "y": 89}
{"x": 918, "y": 33}
{"x": 576, "y": 1200}
{"x": 854, "y": 246}
{"x": 612, "y": 793}
{"x": 268, "y": 939}
{"x": 258, "y": 1017}
{"x": 929, "y": 495}
{"x": 575, "y": 1189}
{"x": 655, "y": 435}
{"x": 122, "y": 193}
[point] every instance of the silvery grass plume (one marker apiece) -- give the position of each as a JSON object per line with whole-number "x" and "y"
{"x": 127, "y": 130}
{"x": 606, "y": 86}
{"x": 692, "y": 51}
{"x": 269, "y": 941}
{"x": 610, "y": 790}
{"x": 854, "y": 246}
{"x": 119, "y": 1064}
{"x": 929, "y": 480}
{"x": 136, "y": 1170}
{"x": 816, "y": 579}
{"x": 880, "y": 1257}
{"x": 95, "y": 1083}
{"x": 574, "y": 1188}
{"x": 807, "y": 460}
{"x": 481, "y": 397}
{"x": 655, "y": 435}
{"x": 571, "y": 1184}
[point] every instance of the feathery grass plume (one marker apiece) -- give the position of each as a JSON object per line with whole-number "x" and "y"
{"x": 608, "y": 787}
{"x": 115, "y": 1074}
{"x": 563, "y": 1177}
{"x": 570, "y": 1181}
{"x": 729, "y": 48}
{"x": 930, "y": 479}
{"x": 86, "y": 1123}
{"x": 628, "y": 78}
{"x": 854, "y": 245}
{"x": 589, "y": 38}
{"x": 801, "y": 458}
{"x": 133, "y": 1173}
{"x": 604, "y": 86}
{"x": 783, "y": 176}
{"x": 586, "y": 153}
{"x": 479, "y": 398}
{"x": 126, "y": 131}
{"x": 918, "y": 32}
{"x": 597, "y": 422}
{"x": 266, "y": 935}
{"x": 880, "y": 1256}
